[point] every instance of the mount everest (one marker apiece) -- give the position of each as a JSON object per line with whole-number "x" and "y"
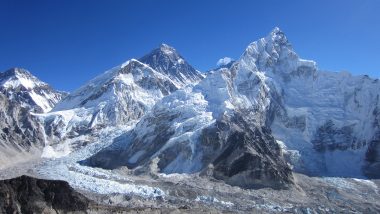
{"x": 251, "y": 124}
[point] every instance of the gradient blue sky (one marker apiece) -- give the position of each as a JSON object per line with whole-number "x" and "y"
{"x": 68, "y": 42}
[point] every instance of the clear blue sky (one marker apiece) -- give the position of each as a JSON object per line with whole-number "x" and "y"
{"x": 68, "y": 42}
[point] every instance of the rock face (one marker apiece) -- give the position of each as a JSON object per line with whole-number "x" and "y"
{"x": 21, "y": 134}
{"x": 30, "y": 195}
{"x": 247, "y": 156}
{"x": 372, "y": 166}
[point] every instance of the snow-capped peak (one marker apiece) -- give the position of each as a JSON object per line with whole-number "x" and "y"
{"x": 16, "y": 77}
{"x": 164, "y": 51}
{"x": 273, "y": 53}
{"x": 167, "y": 49}
{"x": 20, "y": 85}
{"x": 277, "y": 37}
{"x": 166, "y": 60}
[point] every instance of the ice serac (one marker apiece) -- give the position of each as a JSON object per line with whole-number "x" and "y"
{"x": 20, "y": 85}
{"x": 168, "y": 61}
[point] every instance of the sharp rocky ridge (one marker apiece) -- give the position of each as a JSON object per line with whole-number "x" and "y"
{"x": 251, "y": 123}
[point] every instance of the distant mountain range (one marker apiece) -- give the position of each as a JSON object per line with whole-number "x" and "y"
{"x": 251, "y": 123}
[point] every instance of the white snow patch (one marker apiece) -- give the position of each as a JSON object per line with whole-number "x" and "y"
{"x": 61, "y": 151}
{"x": 224, "y": 61}
{"x": 211, "y": 199}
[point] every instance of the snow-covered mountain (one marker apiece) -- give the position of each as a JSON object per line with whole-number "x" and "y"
{"x": 18, "y": 84}
{"x": 249, "y": 123}
{"x": 325, "y": 123}
{"x": 120, "y": 95}
{"x": 326, "y": 119}
{"x": 157, "y": 133}
{"x": 22, "y": 95}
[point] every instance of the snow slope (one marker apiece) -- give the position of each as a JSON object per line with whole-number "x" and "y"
{"x": 114, "y": 98}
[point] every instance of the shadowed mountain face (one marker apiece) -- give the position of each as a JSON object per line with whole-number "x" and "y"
{"x": 30, "y": 195}
{"x": 168, "y": 61}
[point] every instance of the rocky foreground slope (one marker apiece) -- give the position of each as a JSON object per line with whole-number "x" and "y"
{"x": 29, "y": 195}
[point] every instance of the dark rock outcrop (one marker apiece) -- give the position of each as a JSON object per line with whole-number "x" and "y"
{"x": 245, "y": 155}
{"x": 30, "y": 195}
{"x": 329, "y": 137}
{"x": 372, "y": 166}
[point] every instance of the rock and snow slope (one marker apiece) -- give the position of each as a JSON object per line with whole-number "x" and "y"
{"x": 328, "y": 118}
{"x": 21, "y": 133}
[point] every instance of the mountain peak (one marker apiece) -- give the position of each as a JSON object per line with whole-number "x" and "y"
{"x": 15, "y": 77}
{"x": 165, "y": 47}
{"x": 20, "y": 85}
{"x": 276, "y": 30}
{"x": 277, "y": 36}
{"x": 16, "y": 72}
{"x": 166, "y": 50}
{"x": 166, "y": 60}
{"x": 274, "y": 53}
